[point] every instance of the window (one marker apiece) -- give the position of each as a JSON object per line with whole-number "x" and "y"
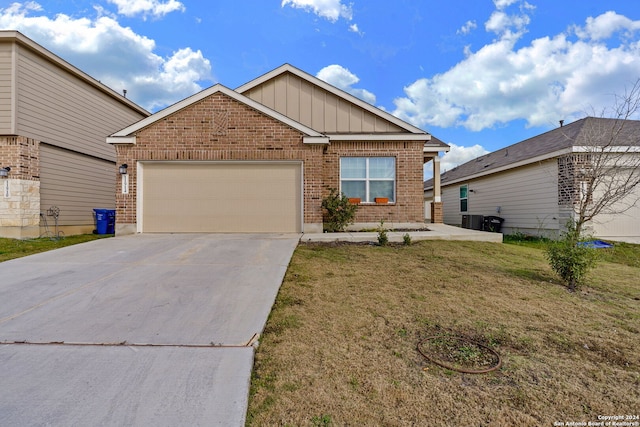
{"x": 464, "y": 198}
{"x": 368, "y": 177}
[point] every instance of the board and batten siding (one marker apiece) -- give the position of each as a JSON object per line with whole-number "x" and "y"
{"x": 316, "y": 107}
{"x": 76, "y": 184}
{"x": 6, "y": 83}
{"x": 527, "y": 197}
{"x": 56, "y": 107}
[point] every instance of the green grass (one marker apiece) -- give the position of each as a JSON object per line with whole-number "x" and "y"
{"x": 340, "y": 345}
{"x": 621, "y": 253}
{"x": 14, "y": 248}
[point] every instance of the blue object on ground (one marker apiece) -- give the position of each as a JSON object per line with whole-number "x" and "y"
{"x": 597, "y": 244}
{"x": 102, "y": 220}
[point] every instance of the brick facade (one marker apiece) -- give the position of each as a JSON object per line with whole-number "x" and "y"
{"x": 219, "y": 128}
{"x": 570, "y": 178}
{"x": 21, "y": 155}
{"x": 409, "y": 205}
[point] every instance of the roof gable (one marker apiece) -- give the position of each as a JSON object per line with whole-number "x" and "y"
{"x": 127, "y": 135}
{"x": 544, "y": 146}
{"x": 321, "y": 106}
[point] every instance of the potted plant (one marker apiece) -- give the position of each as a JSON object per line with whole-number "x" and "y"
{"x": 354, "y": 200}
{"x": 382, "y": 200}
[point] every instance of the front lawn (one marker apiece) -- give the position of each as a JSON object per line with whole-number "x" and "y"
{"x": 14, "y": 248}
{"x": 340, "y": 346}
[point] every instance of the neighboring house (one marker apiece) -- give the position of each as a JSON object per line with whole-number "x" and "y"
{"x": 53, "y": 122}
{"x": 262, "y": 157}
{"x": 533, "y": 184}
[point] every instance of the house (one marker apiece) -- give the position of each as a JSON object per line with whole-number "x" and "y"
{"x": 54, "y": 164}
{"x": 535, "y": 184}
{"x": 262, "y": 157}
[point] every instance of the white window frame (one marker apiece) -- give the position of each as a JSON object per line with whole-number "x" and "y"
{"x": 368, "y": 179}
{"x": 466, "y": 186}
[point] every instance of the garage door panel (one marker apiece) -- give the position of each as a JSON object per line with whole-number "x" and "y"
{"x": 219, "y": 197}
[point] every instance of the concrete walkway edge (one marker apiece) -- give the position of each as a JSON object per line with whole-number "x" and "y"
{"x": 435, "y": 232}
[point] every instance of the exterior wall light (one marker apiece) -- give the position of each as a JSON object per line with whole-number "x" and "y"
{"x": 4, "y": 172}
{"x": 123, "y": 169}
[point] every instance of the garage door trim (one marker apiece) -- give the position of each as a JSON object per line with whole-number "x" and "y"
{"x": 140, "y": 180}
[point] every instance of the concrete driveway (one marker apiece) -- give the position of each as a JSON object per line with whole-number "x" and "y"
{"x": 136, "y": 330}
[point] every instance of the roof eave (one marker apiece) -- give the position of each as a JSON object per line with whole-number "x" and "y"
{"x": 510, "y": 166}
{"x": 18, "y": 37}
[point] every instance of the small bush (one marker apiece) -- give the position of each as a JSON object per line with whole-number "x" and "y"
{"x": 570, "y": 260}
{"x": 383, "y": 239}
{"x": 406, "y": 238}
{"x": 339, "y": 213}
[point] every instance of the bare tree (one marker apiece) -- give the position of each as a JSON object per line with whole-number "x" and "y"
{"x": 604, "y": 169}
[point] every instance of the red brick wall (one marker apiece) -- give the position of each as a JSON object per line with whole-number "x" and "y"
{"x": 220, "y": 128}
{"x": 409, "y": 205}
{"x": 21, "y": 155}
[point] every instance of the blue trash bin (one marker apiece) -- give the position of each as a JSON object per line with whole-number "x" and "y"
{"x": 111, "y": 221}
{"x": 102, "y": 220}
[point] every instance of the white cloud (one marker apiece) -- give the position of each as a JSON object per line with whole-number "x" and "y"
{"x": 155, "y": 8}
{"x": 344, "y": 79}
{"x": 354, "y": 29}
{"x": 606, "y": 25}
{"x": 113, "y": 54}
{"x": 458, "y": 155}
{"x": 467, "y": 27}
{"x": 549, "y": 79}
{"x": 329, "y": 9}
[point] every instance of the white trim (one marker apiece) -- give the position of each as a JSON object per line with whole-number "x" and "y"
{"x": 139, "y": 195}
{"x": 379, "y": 137}
{"x": 332, "y": 89}
{"x": 532, "y": 160}
{"x": 218, "y": 88}
{"x": 125, "y": 183}
{"x": 614, "y": 149}
{"x": 316, "y": 140}
{"x": 121, "y": 140}
{"x": 140, "y": 186}
{"x": 367, "y": 179}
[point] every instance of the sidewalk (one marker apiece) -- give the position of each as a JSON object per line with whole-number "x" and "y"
{"x": 435, "y": 232}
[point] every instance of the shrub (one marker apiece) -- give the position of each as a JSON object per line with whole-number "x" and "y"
{"x": 569, "y": 259}
{"x": 383, "y": 239}
{"x": 406, "y": 238}
{"x": 339, "y": 213}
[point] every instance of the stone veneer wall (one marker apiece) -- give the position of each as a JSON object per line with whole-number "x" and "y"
{"x": 20, "y": 205}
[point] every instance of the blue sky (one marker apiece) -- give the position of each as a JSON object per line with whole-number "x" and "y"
{"x": 477, "y": 74}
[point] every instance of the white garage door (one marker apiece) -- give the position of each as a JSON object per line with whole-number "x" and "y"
{"x": 221, "y": 197}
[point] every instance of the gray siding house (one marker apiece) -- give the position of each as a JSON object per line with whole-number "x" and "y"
{"x": 53, "y": 122}
{"x": 532, "y": 185}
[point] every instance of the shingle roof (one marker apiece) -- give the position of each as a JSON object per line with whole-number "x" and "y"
{"x": 574, "y": 134}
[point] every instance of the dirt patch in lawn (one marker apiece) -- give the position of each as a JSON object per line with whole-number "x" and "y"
{"x": 341, "y": 344}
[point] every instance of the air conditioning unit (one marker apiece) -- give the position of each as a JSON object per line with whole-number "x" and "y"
{"x": 473, "y": 222}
